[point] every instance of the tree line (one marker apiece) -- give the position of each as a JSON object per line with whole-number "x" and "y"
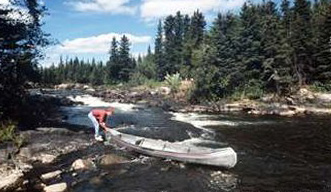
{"x": 117, "y": 69}
{"x": 265, "y": 48}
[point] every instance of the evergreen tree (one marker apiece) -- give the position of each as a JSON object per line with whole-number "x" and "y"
{"x": 197, "y": 29}
{"x": 113, "y": 65}
{"x": 159, "y": 53}
{"x": 20, "y": 43}
{"x": 250, "y": 43}
{"x": 170, "y": 65}
{"x": 276, "y": 64}
{"x": 323, "y": 42}
{"x": 125, "y": 62}
{"x": 301, "y": 41}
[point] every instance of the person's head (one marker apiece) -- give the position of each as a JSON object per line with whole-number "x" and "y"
{"x": 110, "y": 110}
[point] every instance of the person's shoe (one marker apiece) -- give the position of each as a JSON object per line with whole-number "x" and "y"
{"x": 98, "y": 137}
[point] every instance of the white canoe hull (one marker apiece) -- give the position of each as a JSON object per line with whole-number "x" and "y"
{"x": 223, "y": 157}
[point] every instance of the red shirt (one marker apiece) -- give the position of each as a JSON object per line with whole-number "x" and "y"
{"x": 100, "y": 115}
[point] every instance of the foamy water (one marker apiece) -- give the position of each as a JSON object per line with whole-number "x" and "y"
{"x": 202, "y": 121}
{"x": 91, "y": 101}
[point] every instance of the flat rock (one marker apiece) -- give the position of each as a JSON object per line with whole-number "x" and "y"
{"x": 50, "y": 175}
{"x": 60, "y": 187}
{"x": 11, "y": 182}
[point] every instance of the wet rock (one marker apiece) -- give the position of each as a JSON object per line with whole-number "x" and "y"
{"x": 51, "y": 175}
{"x": 111, "y": 159}
{"x": 60, "y": 187}
{"x": 81, "y": 164}
{"x": 12, "y": 181}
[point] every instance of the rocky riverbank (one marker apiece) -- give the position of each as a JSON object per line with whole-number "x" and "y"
{"x": 53, "y": 153}
{"x": 302, "y": 103}
{"x": 55, "y": 159}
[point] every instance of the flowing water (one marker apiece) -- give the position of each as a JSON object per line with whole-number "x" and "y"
{"x": 274, "y": 154}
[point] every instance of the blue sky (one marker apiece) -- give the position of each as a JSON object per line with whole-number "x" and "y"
{"x": 84, "y": 28}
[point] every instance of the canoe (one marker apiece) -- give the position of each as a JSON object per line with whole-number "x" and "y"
{"x": 223, "y": 157}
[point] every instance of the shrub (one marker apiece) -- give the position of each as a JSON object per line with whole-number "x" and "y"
{"x": 8, "y": 133}
{"x": 320, "y": 87}
{"x": 173, "y": 81}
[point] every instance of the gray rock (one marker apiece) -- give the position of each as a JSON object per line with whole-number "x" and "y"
{"x": 60, "y": 187}
{"x": 112, "y": 159}
{"x": 25, "y": 152}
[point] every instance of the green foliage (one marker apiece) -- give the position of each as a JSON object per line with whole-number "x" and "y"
{"x": 173, "y": 81}
{"x": 321, "y": 87}
{"x": 8, "y": 133}
{"x": 20, "y": 47}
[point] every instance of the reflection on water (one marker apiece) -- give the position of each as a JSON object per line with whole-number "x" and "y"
{"x": 274, "y": 154}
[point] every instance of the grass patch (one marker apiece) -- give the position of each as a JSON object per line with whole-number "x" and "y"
{"x": 8, "y": 133}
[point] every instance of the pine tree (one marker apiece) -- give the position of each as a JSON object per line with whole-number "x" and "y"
{"x": 323, "y": 42}
{"x": 250, "y": 45}
{"x": 125, "y": 61}
{"x": 113, "y": 65}
{"x": 169, "y": 45}
{"x": 19, "y": 50}
{"x": 179, "y": 34}
{"x": 186, "y": 64}
{"x": 301, "y": 41}
{"x": 197, "y": 29}
{"x": 159, "y": 53}
{"x": 277, "y": 63}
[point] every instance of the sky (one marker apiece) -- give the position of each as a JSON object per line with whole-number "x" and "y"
{"x": 85, "y": 28}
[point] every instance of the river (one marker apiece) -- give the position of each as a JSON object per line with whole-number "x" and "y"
{"x": 274, "y": 153}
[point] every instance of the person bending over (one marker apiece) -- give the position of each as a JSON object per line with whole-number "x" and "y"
{"x": 99, "y": 117}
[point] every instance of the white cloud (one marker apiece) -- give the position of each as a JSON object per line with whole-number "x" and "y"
{"x": 89, "y": 47}
{"x": 98, "y": 44}
{"x": 154, "y": 9}
{"x": 4, "y": 2}
{"x": 111, "y": 6}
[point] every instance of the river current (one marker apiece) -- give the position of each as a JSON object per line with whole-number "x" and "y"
{"x": 274, "y": 153}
